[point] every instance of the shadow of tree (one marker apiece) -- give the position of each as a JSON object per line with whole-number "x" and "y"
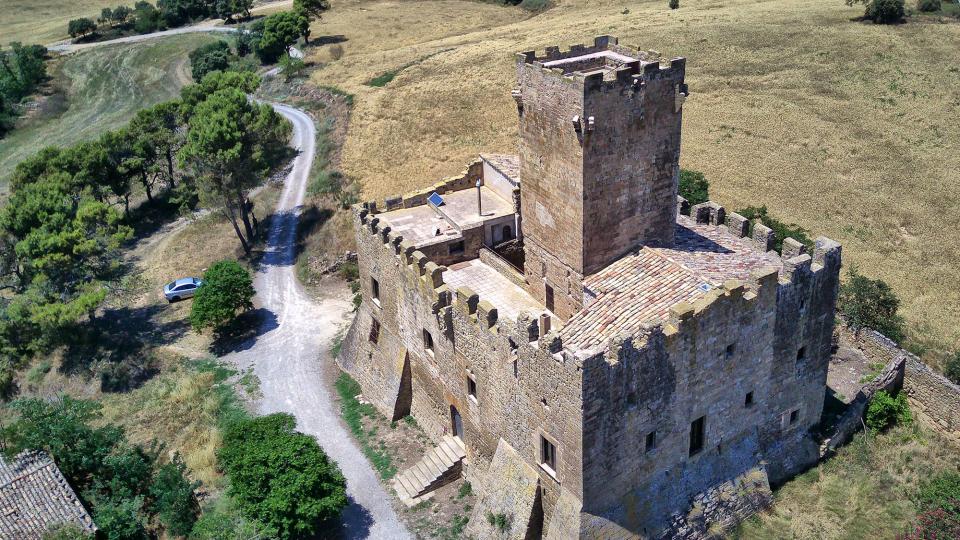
{"x": 243, "y": 332}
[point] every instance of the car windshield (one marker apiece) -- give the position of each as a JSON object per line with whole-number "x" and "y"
{"x": 171, "y": 285}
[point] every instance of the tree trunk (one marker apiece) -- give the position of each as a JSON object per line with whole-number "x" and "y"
{"x": 146, "y": 185}
{"x": 126, "y": 205}
{"x": 231, "y": 215}
{"x": 170, "y": 167}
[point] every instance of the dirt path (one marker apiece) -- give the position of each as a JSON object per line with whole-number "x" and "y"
{"x": 292, "y": 348}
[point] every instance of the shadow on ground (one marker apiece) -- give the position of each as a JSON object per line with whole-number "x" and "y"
{"x": 244, "y": 332}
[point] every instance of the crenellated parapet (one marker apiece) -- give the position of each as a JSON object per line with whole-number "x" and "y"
{"x": 466, "y": 179}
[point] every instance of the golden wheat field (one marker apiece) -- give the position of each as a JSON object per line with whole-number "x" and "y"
{"x": 847, "y": 128}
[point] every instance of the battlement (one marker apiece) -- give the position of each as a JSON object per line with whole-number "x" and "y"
{"x": 603, "y": 63}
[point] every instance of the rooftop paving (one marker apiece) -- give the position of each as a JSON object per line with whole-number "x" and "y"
{"x": 509, "y": 298}
{"x": 419, "y": 224}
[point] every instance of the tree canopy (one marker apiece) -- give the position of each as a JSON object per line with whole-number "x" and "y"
{"x": 281, "y": 477}
{"x": 279, "y": 32}
{"x": 210, "y": 57}
{"x": 227, "y": 288}
{"x": 81, "y": 27}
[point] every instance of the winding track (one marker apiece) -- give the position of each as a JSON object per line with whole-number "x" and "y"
{"x": 288, "y": 353}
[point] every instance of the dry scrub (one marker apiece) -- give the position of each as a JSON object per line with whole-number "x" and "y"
{"x": 847, "y": 128}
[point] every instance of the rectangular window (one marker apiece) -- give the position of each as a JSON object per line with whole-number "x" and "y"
{"x": 549, "y": 296}
{"x": 374, "y": 331}
{"x": 651, "y": 441}
{"x": 697, "y": 435}
{"x": 748, "y": 400}
{"x": 471, "y": 386}
{"x": 548, "y": 454}
{"x": 427, "y": 341}
{"x": 375, "y": 289}
{"x": 801, "y": 353}
{"x": 794, "y": 416}
{"x": 456, "y": 248}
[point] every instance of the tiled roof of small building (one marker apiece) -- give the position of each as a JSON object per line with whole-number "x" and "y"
{"x": 642, "y": 287}
{"x": 34, "y": 496}
{"x": 508, "y": 164}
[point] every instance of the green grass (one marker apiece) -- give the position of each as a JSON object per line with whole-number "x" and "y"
{"x": 39, "y": 371}
{"x": 383, "y": 79}
{"x": 101, "y": 89}
{"x": 353, "y": 413}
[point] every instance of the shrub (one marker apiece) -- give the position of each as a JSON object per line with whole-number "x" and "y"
{"x": 65, "y": 531}
{"x": 281, "y": 477}
{"x": 928, "y": 5}
{"x": 207, "y": 58}
{"x": 173, "y": 499}
{"x": 694, "y": 186}
{"x": 935, "y": 525}
{"x": 952, "y": 369}
{"x": 885, "y": 410}
{"x": 940, "y": 492}
{"x": 291, "y": 67}
{"x": 227, "y": 288}
{"x": 885, "y": 11}
{"x": 535, "y": 5}
{"x": 335, "y": 52}
{"x": 674, "y": 4}
{"x": 871, "y": 303}
{"x": 781, "y": 230}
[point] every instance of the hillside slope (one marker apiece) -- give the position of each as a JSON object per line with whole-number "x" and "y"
{"x": 847, "y": 128}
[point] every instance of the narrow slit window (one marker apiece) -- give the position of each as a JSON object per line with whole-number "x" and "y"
{"x": 472, "y": 387}
{"x": 794, "y": 416}
{"x": 748, "y": 400}
{"x": 651, "y": 442}
{"x": 548, "y": 454}
{"x": 731, "y": 349}
{"x": 427, "y": 341}
{"x": 697, "y": 435}
{"x": 801, "y": 353}
{"x": 549, "y": 297}
{"x": 375, "y": 289}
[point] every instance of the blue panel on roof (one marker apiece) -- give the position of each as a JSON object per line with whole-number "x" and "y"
{"x": 435, "y": 199}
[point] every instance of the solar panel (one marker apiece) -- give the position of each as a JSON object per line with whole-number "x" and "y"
{"x": 435, "y": 199}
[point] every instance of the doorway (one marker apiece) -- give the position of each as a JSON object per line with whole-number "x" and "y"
{"x": 456, "y": 421}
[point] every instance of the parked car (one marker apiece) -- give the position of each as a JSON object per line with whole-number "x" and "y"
{"x": 182, "y": 288}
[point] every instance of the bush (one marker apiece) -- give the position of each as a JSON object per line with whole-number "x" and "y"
{"x": 940, "y": 492}
{"x": 870, "y": 303}
{"x": 885, "y": 410}
{"x": 281, "y": 477}
{"x": 952, "y": 369}
{"x": 674, "y": 4}
{"x": 81, "y": 27}
{"x": 65, "y": 531}
{"x": 535, "y": 5}
{"x": 928, "y": 5}
{"x": 885, "y": 11}
{"x": 935, "y": 525}
{"x": 173, "y": 499}
{"x": 207, "y": 58}
{"x": 781, "y": 230}
{"x": 227, "y": 288}
{"x": 694, "y": 186}
{"x": 291, "y": 67}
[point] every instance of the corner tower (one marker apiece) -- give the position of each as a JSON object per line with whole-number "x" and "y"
{"x": 599, "y": 160}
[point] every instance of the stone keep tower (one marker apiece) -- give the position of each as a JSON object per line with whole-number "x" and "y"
{"x": 599, "y": 160}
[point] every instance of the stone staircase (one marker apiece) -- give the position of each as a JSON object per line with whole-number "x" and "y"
{"x": 439, "y": 466}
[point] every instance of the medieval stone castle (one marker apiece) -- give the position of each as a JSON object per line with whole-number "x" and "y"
{"x": 600, "y": 359}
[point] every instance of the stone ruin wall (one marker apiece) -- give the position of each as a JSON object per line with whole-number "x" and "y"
{"x": 931, "y": 394}
{"x": 543, "y": 397}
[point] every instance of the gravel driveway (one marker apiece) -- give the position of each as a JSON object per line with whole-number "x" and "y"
{"x": 289, "y": 352}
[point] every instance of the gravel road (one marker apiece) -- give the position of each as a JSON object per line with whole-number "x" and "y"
{"x": 290, "y": 350}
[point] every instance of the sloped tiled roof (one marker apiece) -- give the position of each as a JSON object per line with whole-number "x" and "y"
{"x": 642, "y": 287}
{"x": 34, "y": 496}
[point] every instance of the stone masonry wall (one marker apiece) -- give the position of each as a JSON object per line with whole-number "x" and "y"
{"x": 523, "y": 390}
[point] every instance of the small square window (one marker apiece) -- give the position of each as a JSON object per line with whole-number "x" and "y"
{"x": 731, "y": 348}
{"x": 748, "y": 400}
{"x": 471, "y": 387}
{"x": 697, "y": 435}
{"x": 374, "y": 331}
{"x": 548, "y": 454}
{"x": 375, "y": 288}
{"x": 794, "y": 416}
{"x": 651, "y": 442}
{"x": 456, "y": 248}
{"x": 801, "y": 353}
{"x": 427, "y": 341}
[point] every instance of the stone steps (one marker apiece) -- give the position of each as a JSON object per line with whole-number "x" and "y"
{"x": 437, "y": 467}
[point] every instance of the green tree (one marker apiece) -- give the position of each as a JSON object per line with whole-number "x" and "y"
{"x": 210, "y": 57}
{"x": 120, "y": 519}
{"x": 280, "y": 32}
{"x": 194, "y": 94}
{"x": 231, "y": 143}
{"x": 881, "y": 11}
{"x": 871, "y": 303}
{"x": 886, "y": 410}
{"x": 312, "y": 10}
{"x": 173, "y": 499}
{"x": 78, "y": 28}
{"x": 146, "y": 18}
{"x": 290, "y": 67}
{"x": 228, "y": 9}
{"x": 694, "y": 186}
{"x": 227, "y": 288}
{"x": 281, "y": 477}
{"x": 22, "y": 69}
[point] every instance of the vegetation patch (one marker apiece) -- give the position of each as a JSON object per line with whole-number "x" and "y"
{"x": 886, "y": 410}
{"x": 781, "y": 230}
{"x": 353, "y": 413}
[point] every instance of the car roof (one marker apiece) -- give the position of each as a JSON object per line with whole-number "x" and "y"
{"x": 185, "y": 281}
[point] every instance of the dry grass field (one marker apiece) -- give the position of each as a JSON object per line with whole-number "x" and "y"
{"x": 848, "y": 129}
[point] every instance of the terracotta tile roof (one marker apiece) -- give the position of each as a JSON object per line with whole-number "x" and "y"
{"x": 642, "y": 287}
{"x": 508, "y": 164}
{"x": 34, "y": 496}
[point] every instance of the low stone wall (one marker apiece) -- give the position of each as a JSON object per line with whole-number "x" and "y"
{"x": 506, "y": 270}
{"x": 890, "y": 380}
{"x": 932, "y": 395}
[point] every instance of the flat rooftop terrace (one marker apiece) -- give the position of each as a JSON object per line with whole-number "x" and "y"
{"x": 419, "y": 224}
{"x": 509, "y": 298}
